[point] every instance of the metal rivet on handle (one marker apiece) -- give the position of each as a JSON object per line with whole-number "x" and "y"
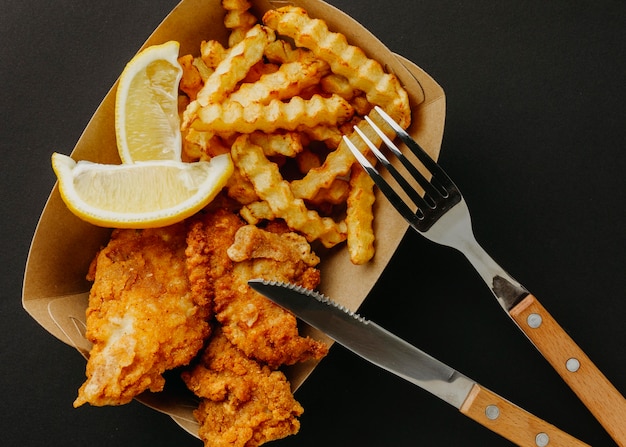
{"x": 534, "y": 320}
{"x": 572, "y": 365}
{"x": 542, "y": 440}
{"x": 492, "y": 412}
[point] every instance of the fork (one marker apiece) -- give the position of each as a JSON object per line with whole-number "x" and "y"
{"x": 442, "y": 216}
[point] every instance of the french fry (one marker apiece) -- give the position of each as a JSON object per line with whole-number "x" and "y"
{"x": 330, "y": 135}
{"x": 264, "y": 97}
{"x": 202, "y": 146}
{"x": 256, "y": 71}
{"x": 362, "y": 73}
{"x": 231, "y": 5}
{"x": 238, "y": 19}
{"x": 241, "y": 189}
{"x": 359, "y": 216}
{"x": 190, "y": 151}
{"x": 212, "y": 53}
{"x": 338, "y": 162}
{"x": 194, "y": 144}
{"x": 229, "y": 115}
{"x": 336, "y": 194}
{"x": 361, "y": 105}
{"x": 281, "y": 52}
{"x": 271, "y": 187}
{"x": 334, "y": 83}
{"x": 203, "y": 69}
{"x": 191, "y": 82}
{"x": 290, "y": 79}
{"x": 288, "y": 144}
{"x": 230, "y": 70}
{"x": 307, "y": 160}
{"x": 256, "y": 212}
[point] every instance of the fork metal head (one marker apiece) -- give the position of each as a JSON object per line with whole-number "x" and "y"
{"x": 439, "y": 194}
{"x": 441, "y": 214}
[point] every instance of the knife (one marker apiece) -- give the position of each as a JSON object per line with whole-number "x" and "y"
{"x": 386, "y": 350}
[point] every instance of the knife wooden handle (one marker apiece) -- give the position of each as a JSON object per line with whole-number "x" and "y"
{"x": 512, "y": 422}
{"x": 583, "y": 377}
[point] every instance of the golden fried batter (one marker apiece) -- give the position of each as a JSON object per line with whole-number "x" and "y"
{"x": 255, "y": 325}
{"x": 243, "y": 402}
{"x": 143, "y": 316}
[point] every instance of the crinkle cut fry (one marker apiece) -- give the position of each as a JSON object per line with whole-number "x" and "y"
{"x": 281, "y": 52}
{"x": 238, "y": 19}
{"x": 338, "y": 162}
{"x": 276, "y": 115}
{"x": 288, "y": 144}
{"x": 290, "y": 79}
{"x": 212, "y": 53}
{"x": 232, "y": 69}
{"x": 255, "y": 212}
{"x": 359, "y": 216}
{"x": 231, "y": 5}
{"x": 191, "y": 80}
{"x": 363, "y": 73}
{"x": 272, "y": 188}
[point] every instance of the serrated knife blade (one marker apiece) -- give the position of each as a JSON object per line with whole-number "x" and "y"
{"x": 388, "y": 351}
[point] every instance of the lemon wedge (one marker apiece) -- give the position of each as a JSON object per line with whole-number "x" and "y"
{"x": 147, "y": 124}
{"x": 139, "y": 195}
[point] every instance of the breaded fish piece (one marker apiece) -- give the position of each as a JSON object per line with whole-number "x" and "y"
{"x": 143, "y": 317}
{"x": 243, "y": 402}
{"x": 234, "y": 253}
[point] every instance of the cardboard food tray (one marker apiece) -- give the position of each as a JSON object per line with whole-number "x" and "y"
{"x": 55, "y": 290}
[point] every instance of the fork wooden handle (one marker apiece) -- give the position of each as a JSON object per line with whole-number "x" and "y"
{"x": 583, "y": 377}
{"x": 512, "y": 422}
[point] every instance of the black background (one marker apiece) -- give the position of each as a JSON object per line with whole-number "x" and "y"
{"x": 535, "y": 138}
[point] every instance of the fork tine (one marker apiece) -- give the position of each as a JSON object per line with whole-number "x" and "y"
{"x": 440, "y": 192}
{"x": 439, "y": 175}
{"x": 408, "y": 189}
{"x": 384, "y": 187}
{"x": 432, "y": 193}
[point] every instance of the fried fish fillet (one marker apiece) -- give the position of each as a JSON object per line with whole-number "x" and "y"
{"x": 143, "y": 316}
{"x": 243, "y": 402}
{"x": 233, "y": 253}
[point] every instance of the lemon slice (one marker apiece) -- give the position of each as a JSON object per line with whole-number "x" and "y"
{"x": 139, "y": 195}
{"x": 147, "y": 124}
